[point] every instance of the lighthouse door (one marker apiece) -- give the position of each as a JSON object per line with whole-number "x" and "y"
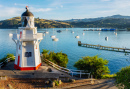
{"x": 28, "y": 54}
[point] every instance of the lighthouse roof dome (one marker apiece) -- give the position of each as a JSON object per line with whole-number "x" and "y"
{"x": 27, "y": 12}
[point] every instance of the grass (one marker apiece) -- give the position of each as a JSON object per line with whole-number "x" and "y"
{"x": 106, "y": 76}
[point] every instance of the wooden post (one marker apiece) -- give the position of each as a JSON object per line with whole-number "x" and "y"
{"x": 79, "y": 43}
{"x": 80, "y": 74}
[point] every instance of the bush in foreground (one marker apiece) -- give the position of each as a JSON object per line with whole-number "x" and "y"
{"x": 97, "y": 66}
{"x": 58, "y": 58}
{"x": 11, "y": 56}
{"x": 123, "y": 78}
{"x": 106, "y": 76}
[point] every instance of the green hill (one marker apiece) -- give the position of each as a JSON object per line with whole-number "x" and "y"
{"x": 43, "y": 23}
{"x": 108, "y": 22}
{"x": 39, "y": 23}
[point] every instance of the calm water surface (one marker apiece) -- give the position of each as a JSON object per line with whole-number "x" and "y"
{"x": 69, "y": 44}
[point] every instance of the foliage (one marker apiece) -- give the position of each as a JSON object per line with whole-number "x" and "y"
{"x": 123, "y": 78}
{"x": 105, "y": 76}
{"x": 11, "y": 56}
{"x": 2, "y": 59}
{"x": 45, "y": 53}
{"x": 97, "y": 66}
{"x": 58, "y": 58}
{"x": 56, "y": 82}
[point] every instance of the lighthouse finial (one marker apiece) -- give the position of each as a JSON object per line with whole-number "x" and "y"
{"x": 26, "y": 7}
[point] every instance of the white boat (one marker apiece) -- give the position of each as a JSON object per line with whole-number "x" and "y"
{"x": 83, "y": 33}
{"x": 46, "y": 32}
{"x": 115, "y": 33}
{"x": 99, "y": 33}
{"x": 72, "y": 31}
{"x": 106, "y": 38}
{"x": 77, "y": 36}
{"x": 10, "y": 34}
{"x": 55, "y": 39}
{"x": 53, "y": 36}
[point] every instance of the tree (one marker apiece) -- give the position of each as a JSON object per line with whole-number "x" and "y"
{"x": 97, "y": 66}
{"x": 58, "y": 58}
{"x": 123, "y": 78}
{"x": 45, "y": 53}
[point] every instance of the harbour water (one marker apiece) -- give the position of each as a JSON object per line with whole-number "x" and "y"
{"x": 69, "y": 44}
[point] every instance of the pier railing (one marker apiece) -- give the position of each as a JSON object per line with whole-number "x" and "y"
{"x": 103, "y": 47}
{"x": 3, "y": 63}
{"x": 66, "y": 70}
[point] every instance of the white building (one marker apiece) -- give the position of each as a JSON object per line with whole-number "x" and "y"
{"x": 27, "y": 44}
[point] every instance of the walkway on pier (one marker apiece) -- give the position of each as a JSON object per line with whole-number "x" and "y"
{"x": 127, "y": 50}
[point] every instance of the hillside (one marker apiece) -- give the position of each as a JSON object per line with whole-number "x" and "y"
{"x": 115, "y": 21}
{"x": 108, "y": 22}
{"x": 39, "y": 23}
{"x": 96, "y": 19}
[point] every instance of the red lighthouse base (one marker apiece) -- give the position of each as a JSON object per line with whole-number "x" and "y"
{"x": 26, "y": 68}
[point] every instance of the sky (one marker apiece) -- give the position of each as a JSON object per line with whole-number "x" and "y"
{"x": 64, "y": 9}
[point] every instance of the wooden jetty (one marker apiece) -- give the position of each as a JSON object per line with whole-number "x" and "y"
{"x": 104, "y": 47}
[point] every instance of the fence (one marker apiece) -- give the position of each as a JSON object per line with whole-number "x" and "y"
{"x": 69, "y": 71}
{"x": 2, "y": 63}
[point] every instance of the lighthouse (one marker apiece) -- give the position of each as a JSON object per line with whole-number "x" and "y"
{"x": 27, "y": 44}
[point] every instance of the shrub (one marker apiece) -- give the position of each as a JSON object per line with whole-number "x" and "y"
{"x": 45, "y": 53}
{"x": 58, "y": 58}
{"x": 97, "y": 66}
{"x": 56, "y": 82}
{"x": 123, "y": 78}
{"x": 2, "y": 59}
{"x": 11, "y": 56}
{"x": 105, "y": 76}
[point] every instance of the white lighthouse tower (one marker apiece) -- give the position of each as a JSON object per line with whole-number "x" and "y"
{"x": 27, "y": 44}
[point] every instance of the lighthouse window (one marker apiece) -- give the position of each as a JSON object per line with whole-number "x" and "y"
{"x": 25, "y": 22}
{"x": 28, "y": 54}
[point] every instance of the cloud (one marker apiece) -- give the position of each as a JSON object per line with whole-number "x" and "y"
{"x": 16, "y": 4}
{"x": 105, "y": 0}
{"x": 10, "y": 11}
{"x": 106, "y": 11}
{"x": 61, "y": 6}
{"x": 40, "y": 9}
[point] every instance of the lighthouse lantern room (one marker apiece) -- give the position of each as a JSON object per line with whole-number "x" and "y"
{"x": 27, "y": 44}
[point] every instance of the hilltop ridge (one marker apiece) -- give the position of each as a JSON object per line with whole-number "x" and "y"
{"x": 115, "y": 21}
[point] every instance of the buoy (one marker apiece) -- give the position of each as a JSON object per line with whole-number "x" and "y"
{"x": 106, "y": 38}
{"x": 77, "y": 36}
{"x": 46, "y": 32}
{"x": 72, "y": 31}
{"x": 55, "y": 39}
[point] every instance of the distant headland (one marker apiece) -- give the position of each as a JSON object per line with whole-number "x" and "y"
{"x": 115, "y": 21}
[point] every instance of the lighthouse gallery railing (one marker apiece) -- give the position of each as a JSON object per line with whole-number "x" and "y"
{"x": 27, "y": 37}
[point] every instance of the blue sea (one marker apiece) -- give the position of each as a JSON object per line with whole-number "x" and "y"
{"x": 69, "y": 44}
